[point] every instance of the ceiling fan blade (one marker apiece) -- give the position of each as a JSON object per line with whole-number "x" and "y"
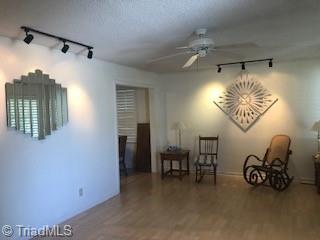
{"x": 168, "y": 56}
{"x": 183, "y": 47}
{"x": 240, "y": 45}
{"x": 190, "y": 61}
{"x": 227, "y": 54}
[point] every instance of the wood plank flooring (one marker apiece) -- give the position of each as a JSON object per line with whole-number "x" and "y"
{"x": 149, "y": 208}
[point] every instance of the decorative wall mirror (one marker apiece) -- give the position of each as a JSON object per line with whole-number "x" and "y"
{"x": 36, "y": 105}
{"x": 245, "y": 101}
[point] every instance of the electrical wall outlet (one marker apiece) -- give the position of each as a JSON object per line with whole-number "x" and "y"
{"x": 80, "y": 192}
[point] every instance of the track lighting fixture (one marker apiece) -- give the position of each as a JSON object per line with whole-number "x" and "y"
{"x": 65, "y": 48}
{"x": 243, "y": 66}
{"x": 243, "y": 63}
{"x": 90, "y": 53}
{"x": 29, "y": 37}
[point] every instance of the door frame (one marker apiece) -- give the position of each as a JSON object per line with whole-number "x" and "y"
{"x": 152, "y": 117}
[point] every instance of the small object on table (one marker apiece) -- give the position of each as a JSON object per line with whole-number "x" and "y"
{"x": 178, "y": 156}
{"x": 317, "y": 170}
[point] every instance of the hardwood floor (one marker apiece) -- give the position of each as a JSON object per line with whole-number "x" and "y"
{"x": 151, "y": 208}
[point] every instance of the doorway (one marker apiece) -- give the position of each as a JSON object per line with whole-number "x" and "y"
{"x": 133, "y": 117}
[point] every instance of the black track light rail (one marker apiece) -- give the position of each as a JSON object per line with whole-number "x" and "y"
{"x": 244, "y": 62}
{"x": 64, "y": 40}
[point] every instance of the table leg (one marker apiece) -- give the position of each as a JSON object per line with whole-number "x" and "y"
{"x": 315, "y": 174}
{"x": 188, "y": 169}
{"x": 180, "y": 169}
{"x": 170, "y": 167}
{"x": 162, "y": 169}
{"x": 317, "y": 177}
{"x": 318, "y": 182}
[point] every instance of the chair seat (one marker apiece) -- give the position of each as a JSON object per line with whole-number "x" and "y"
{"x": 262, "y": 168}
{"x": 206, "y": 160}
{"x": 265, "y": 168}
{"x": 206, "y": 164}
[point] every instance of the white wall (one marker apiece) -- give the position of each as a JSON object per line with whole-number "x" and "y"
{"x": 40, "y": 180}
{"x": 189, "y": 98}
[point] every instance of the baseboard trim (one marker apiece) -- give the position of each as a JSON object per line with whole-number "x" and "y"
{"x": 227, "y": 173}
{"x": 302, "y": 180}
{"x": 307, "y": 181}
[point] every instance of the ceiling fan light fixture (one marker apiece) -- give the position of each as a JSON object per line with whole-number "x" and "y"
{"x": 201, "y": 45}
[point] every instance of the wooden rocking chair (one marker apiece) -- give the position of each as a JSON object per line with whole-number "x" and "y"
{"x": 273, "y": 167}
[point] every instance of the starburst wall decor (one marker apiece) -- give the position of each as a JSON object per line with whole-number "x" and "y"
{"x": 245, "y": 101}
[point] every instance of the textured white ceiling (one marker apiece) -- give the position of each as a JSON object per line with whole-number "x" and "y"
{"x": 131, "y": 32}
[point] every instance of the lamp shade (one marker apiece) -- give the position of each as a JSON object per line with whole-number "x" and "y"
{"x": 316, "y": 126}
{"x": 180, "y": 126}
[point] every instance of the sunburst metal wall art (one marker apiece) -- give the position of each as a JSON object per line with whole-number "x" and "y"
{"x": 245, "y": 100}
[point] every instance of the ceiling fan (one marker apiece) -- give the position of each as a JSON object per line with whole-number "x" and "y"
{"x": 201, "y": 46}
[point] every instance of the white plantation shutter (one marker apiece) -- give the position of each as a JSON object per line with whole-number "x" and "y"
{"x": 127, "y": 114}
{"x": 36, "y": 105}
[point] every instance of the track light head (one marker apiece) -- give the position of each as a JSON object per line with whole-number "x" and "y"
{"x": 65, "y": 47}
{"x": 219, "y": 69}
{"x": 270, "y": 63}
{"x": 29, "y": 37}
{"x": 243, "y": 66}
{"x": 90, "y": 53}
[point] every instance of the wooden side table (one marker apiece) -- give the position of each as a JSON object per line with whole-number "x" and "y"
{"x": 177, "y": 156}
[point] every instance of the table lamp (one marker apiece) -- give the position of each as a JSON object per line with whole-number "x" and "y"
{"x": 180, "y": 126}
{"x": 316, "y": 127}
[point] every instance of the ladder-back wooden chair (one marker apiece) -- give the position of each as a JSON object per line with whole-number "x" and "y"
{"x": 122, "y": 154}
{"x": 273, "y": 168}
{"x": 206, "y": 161}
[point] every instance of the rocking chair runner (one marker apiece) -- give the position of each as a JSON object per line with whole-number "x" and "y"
{"x": 273, "y": 167}
{"x": 206, "y": 162}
